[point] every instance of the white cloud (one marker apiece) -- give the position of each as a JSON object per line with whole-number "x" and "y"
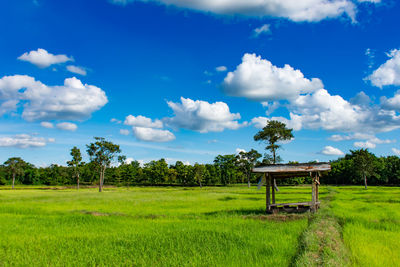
{"x": 142, "y": 121}
{"x": 221, "y": 68}
{"x": 389, "y": 72}
{"x": 366, "y": 144}
{"x": 8, "y": 106}
{"x": 67, "y": 126}
{"x": 370, "y": 140}
{"x": 257, "y": 79}
{"x": 43, "y": 59}
{"x": 354, "y": 136}
{"x": 309, "y": 105}
{"x": 24, "y": 141}
{"x": 332, "y": 151}
{"x": 71, "y": 101}
{"x": 115, "y": 120}
{"x": 202, "y": 116}
{"x": 333, "y": 113}
{"x": 294, "y": 123}
{"x": 153, "y": 135}
{"x": 310, "y": 10}
{"x": 371, "y": 57}
{"x": 361, "y": 99}
{"x": 264, "y": 29}
{"x": 124, "y": 132}
{"x": 396, "y": 151}
{"x": 77, "y": 70}
{"x": 47, "y": 124}
{"x": 392, "y": 103}
{"x": 369, "y": 1}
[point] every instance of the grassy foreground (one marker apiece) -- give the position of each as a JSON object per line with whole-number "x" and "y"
{"x": 197, "y": 227}
{"x": 146, "y": 227}
{"x": 370, "y": 221}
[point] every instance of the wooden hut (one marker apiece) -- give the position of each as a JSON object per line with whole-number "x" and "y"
{"x": 283, "y": 171}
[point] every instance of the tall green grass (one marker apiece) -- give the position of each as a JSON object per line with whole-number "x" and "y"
{"x": 212, "y": 226}
{"x": 371, "y": 224}
{"x": 146, "y": 227}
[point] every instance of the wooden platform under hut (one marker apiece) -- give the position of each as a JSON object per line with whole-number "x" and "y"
{"x": 284, "y": 171}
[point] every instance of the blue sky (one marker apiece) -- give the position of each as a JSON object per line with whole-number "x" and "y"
{"x": 186, "y": 80}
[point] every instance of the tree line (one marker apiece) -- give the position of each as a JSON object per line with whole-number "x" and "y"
{"x": 108, "y": 166}
{"x": 225, "y": 170}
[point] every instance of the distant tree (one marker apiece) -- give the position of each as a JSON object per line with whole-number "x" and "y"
{"x": 272, "y": 133}
{"x": 247, "y": 161}
{"x": 102, "y": 153}
{"x": 364, "y": 163}
{"x": 76, "y": 163}
{"x": 15, "y": 166}
{"x": 157, "y": 171}
{"x": 182, "y": 172}
{"x": 226, "y": 165}
{"x": 199, "y": 170}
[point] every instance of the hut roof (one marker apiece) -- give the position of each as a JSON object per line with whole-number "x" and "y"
{"x": 293, "y": 170}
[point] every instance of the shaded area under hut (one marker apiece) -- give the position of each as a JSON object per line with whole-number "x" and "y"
{"x": 284, "y": 171}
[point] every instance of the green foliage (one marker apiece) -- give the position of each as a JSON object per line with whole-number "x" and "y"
{"x": 102, "y": 153}
{"x": 76, "y": 162}
{"x": 15, "y": 168}
{"x": 272, "y": 133}
{"x": 246, "y": 162}
{"x": 227, "y": 167}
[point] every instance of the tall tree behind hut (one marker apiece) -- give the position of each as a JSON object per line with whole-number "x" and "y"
{"x": 271, "y": 134}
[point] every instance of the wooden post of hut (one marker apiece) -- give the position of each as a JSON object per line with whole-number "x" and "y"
{"x": 282, "y": 171}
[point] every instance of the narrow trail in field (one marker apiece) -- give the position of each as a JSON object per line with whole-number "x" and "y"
{"x": 321, "y": 244}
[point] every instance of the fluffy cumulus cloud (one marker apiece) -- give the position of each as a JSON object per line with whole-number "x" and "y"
{"x": 392, "y": 103}
{"x": 310, "y": 10}
{"x": 331, "y": 151}
{"x": 8, "y": 106}
{"x": 321, "y": 110}
{"x": 77, "y": 70}
{"x": 43, "y": 59}
{"x": 71, "y": 101}
{"x": 389, "y": 72}
{"x": 202, "y": 116}
{"x": 310, "y": 106}
{"x": 153, "y": 135}
{"x": 24, "y": 141}
{"x": 258, "y": 79}
{"x": 67, "y": 126}
{"x": 142, "y": 121}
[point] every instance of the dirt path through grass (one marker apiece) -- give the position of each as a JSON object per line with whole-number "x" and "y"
{"x": 321, "y": 244}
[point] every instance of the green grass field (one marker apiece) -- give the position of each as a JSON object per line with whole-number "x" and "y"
{"x": 174, "y": 226}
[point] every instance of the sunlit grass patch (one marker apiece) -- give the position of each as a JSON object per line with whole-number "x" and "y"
{"x": 145, "y": 227}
